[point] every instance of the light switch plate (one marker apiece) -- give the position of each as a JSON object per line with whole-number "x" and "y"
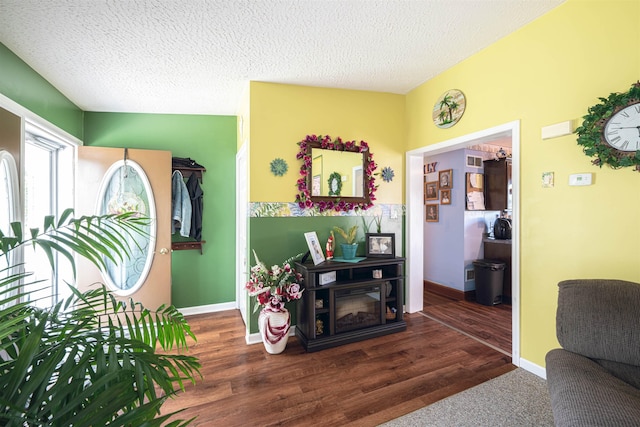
{"x": 580, "y": 179}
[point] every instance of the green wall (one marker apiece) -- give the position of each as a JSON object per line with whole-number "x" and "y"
{"x": 22, "y": 84}
{"x": 211, "y": 141}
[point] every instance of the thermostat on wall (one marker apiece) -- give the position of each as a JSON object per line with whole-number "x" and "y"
{"x": 580, "y": 179}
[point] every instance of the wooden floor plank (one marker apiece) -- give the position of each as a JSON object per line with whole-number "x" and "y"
{"x": 488, "y": 323}
{"x": 359, "y": 384}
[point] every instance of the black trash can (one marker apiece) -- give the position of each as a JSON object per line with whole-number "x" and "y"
{"x": 489, "y": 280}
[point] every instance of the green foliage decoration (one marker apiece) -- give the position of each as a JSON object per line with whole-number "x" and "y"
{"x": 337, "y": 178}
{"x": 348, "y": 236}
{"x": 90, "y": 360}
{"x": 590, "y": 135}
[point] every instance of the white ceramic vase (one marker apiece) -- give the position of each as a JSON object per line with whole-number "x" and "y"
{"x": 274, "y": 329}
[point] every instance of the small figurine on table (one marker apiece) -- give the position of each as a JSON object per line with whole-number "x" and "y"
{"x": 331, "y": 245}
{"x": 319, "y": 327}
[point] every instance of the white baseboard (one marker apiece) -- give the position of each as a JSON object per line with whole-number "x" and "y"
{"x": 533, "y": 368}
{"x": 210, "y": 308}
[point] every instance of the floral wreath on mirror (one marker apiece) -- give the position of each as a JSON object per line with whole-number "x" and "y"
{"x": 303, "y": 198}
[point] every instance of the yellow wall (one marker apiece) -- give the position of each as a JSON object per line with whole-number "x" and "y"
{"x": 551, "y": 71}
{"x": 282, "y": 115}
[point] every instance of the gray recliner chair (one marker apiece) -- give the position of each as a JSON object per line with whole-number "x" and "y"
{"x": 594, "y": 379}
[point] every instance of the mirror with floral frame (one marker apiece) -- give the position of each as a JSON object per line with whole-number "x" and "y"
{"x": 335, "y": 174}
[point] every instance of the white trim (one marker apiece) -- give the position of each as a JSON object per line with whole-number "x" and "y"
{"x": 31, "y": 117}
{"x": 242, "y": 228}
{"x": 101, "y": 209}
{"x": 533, "y": 368}
{"x": 415, "y": 220}
{"x": 209, "y": 308}
{"x": 415, "y": 238}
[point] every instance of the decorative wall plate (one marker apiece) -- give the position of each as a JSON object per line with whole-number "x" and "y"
{"x": 449, "y": 108}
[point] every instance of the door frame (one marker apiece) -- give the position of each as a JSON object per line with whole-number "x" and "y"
{"x": 242, "y": 206}
{"x": 415, "y": 222}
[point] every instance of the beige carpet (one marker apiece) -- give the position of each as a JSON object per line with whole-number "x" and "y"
{"x": 515, "y": 399}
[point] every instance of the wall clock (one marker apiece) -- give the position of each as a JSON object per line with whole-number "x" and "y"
{"x": 449, "y": 108}
{"x": 611, "y": 130}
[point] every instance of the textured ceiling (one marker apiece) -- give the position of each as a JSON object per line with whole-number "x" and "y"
{"x": 196, "y": 56}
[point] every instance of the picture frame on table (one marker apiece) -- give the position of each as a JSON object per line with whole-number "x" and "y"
{"x": 380, "y": 245}
{"x": 314, "y": 247}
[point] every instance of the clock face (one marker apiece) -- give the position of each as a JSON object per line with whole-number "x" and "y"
{"x": 622, "y": 130}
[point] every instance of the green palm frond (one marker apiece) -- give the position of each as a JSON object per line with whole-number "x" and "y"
{"x": 90, "y": 359}
{"x": 348, "y": 236}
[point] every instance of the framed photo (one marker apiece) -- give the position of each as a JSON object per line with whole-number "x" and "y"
{"x": 431, "y": 190}
{"x": 445, "y": 179}
{"x": 314, "y": 247}
{"x": 381, "y": 245}
{"x": 445, "y": 197}
{"x": 432, "y": 213}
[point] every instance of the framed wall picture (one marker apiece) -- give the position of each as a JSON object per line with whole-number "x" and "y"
{"x": 381, "y": 245}
{"x": 431, "y": 190}
{"x": 445, "y": 179}
{"x": 432, "y": 213}
{"x": 445, "y": 197}
{"x": 314, "y": 247}
{"x": 475, "y": 191}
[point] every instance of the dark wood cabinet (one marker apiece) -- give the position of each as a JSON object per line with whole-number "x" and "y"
{"x": 497, "y": 184}
{"x": 364, "y": 301}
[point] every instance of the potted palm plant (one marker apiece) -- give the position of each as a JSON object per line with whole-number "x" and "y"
{"x": 89, "y": 359}
{"x": 350, "y": 246}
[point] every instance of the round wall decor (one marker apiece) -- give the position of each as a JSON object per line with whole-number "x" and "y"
{"x": 449, "y": 108}
{"x": 611, "y": 130}
{"x": 279, "y": 167}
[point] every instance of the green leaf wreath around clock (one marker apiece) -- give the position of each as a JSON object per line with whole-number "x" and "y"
{"x": 611, "y": 130}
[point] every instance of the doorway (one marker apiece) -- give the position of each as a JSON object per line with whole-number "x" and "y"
{"x": 415, "y": 217}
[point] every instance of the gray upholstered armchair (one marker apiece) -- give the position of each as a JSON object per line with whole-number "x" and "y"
{"x": 594, "y": 380}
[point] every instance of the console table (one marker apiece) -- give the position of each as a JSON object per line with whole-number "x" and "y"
{"x": 363, "y": 300}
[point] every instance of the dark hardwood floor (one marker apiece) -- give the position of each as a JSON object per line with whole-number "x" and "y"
{"x": 491, "y": 324}
{"x": 359, "y": 384}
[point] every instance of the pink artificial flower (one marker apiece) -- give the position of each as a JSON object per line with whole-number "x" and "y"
{"x": 294, "y": 291}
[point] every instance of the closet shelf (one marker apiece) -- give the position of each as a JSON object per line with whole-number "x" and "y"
{"x": 187, "y": 172}
{"x": 183, "y": 246}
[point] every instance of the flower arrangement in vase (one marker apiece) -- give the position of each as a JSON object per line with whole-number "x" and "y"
{"x": 272, "y": 289}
